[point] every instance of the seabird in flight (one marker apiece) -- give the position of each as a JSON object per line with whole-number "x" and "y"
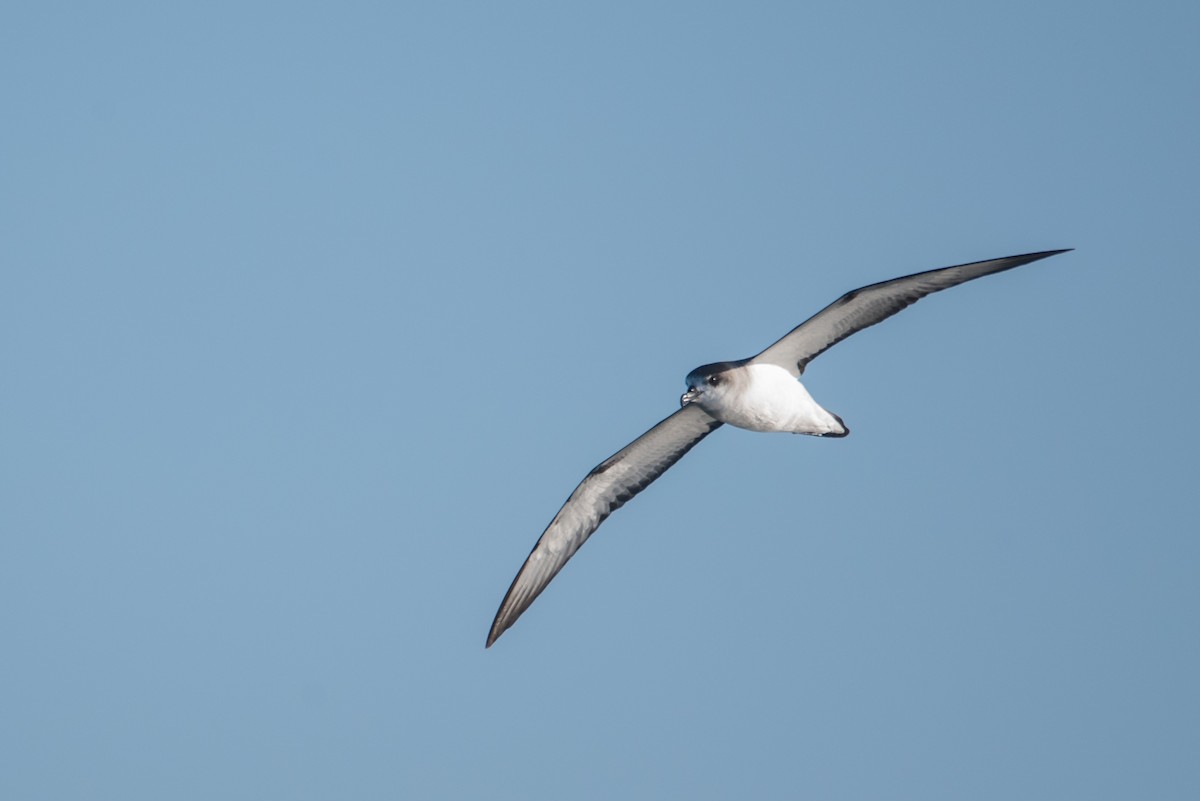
{"x": 762, "y": 393}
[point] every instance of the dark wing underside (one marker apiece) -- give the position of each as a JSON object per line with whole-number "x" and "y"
{"x": 869, "y": 305}
{"x": 613, "y": 482}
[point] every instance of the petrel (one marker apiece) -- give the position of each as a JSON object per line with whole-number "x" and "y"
{"x": 762, "y": 393}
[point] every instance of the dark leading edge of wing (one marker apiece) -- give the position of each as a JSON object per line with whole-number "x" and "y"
{"x": 869, "y": 305}
{"x": 610, "y": 484}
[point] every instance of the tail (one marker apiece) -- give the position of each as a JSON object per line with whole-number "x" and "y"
{"x": 838, "y": 432}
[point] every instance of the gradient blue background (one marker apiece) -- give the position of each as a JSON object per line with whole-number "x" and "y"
{"x": 311, "y": 315}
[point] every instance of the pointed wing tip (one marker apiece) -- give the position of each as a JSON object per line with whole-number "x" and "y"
{"x": 1026, "y": 258}
{"x": 494, "y": 633}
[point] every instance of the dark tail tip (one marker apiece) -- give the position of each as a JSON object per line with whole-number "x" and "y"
{"x": 837, "y": 434}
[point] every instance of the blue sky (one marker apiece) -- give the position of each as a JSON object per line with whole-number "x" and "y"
{"x": 312, "y": 315}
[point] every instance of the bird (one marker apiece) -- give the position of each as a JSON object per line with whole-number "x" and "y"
{"x": 761, "y": 393}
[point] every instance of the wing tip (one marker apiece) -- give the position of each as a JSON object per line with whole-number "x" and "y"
{"x": 1043, "y": 254}
{"x": 497, "y": 629}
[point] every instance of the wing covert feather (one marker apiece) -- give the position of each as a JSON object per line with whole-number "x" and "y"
{"x": 604, "y": 490}
{"x": 872, "y": 304}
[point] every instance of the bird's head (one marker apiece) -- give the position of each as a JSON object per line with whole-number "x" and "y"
{"x": 708, "y": 385}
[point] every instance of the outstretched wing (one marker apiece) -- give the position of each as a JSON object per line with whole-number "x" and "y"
{"x": 606, "y": 489}
{"x": 869, "y": 305}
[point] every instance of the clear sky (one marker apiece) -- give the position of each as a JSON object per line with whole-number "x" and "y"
{"x": 312, "y": 315}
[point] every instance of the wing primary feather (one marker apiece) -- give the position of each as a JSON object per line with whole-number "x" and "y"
{"x": 605, "y": 489}
{"x": 868, "y": 305}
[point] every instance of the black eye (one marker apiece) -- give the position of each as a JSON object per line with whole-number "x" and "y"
{"x": 713, "y": 380}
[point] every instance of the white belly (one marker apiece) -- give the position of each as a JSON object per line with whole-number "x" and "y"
{"x": 772, "y": 400}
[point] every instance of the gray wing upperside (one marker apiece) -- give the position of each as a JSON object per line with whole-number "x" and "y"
{"x": 872, "y": 304}
{"x": 610, "y": 484}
